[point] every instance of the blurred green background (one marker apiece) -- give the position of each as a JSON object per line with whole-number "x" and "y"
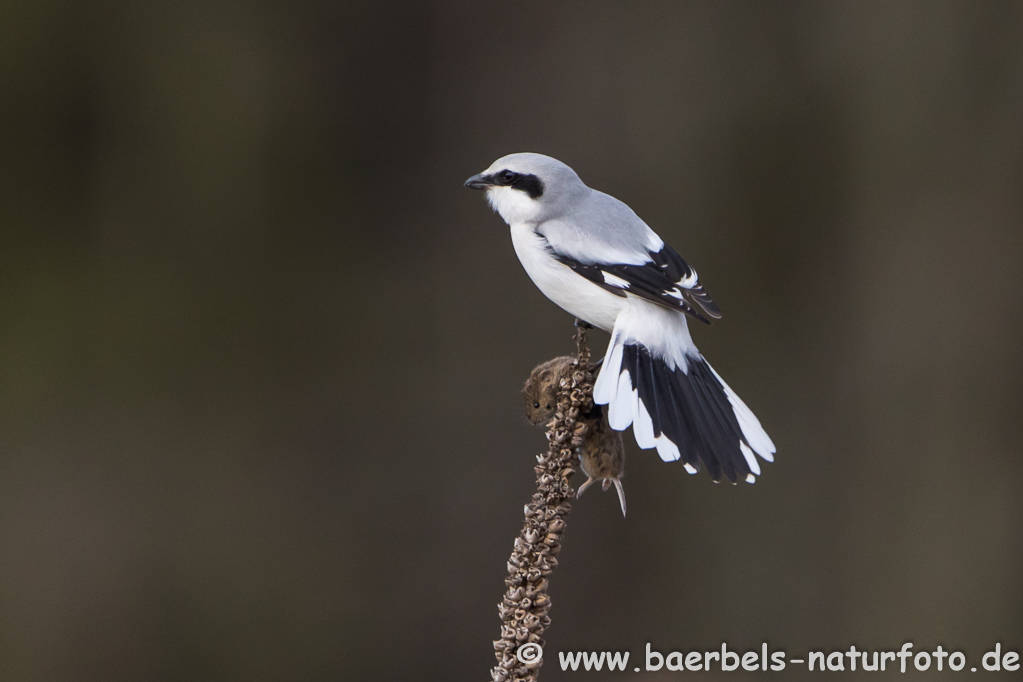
{"x": 261, "y": 352}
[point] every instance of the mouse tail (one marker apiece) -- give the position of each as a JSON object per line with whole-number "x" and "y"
{"x": 621, "y": 493}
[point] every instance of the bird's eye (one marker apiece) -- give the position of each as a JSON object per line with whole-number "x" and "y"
{"x": 536, "y": 405}
{"x": 508, "y": 177}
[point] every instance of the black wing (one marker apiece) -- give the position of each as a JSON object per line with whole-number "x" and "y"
{"x": 667, "y": 280}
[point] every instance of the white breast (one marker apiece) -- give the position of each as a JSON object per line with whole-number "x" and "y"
{"x": 558, "y": 282}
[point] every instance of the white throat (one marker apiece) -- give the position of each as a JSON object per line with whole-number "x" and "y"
{"x": 514, "y": 205}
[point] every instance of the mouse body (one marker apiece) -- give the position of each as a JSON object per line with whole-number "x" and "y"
{"x": 602, "y": 456}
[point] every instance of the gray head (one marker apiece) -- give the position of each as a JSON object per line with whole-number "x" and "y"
{"x": 527, "y": 188}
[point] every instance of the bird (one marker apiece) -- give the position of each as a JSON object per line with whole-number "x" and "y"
{"x": 602, "y": 453}
{"x": 595, "y": 258}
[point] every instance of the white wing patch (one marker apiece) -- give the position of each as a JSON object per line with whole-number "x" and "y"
{"x": 615, "y": 280}
{"x": 689, "y": 281}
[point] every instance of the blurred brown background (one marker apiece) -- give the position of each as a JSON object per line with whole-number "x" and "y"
{"x": 260, "y": 351}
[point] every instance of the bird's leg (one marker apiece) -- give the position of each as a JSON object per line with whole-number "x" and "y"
{"x": 583, "y": 324}
{"x": 590, "y": 481}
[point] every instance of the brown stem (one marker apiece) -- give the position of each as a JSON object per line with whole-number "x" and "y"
{"x": 524, "y": 609}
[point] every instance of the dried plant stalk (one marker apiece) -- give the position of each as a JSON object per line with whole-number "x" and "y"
{"x": 524, "y": 609}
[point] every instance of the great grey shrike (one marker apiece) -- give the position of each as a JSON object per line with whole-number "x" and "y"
{"x": 594, "y": 257}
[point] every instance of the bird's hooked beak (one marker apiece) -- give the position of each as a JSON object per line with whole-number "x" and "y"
{"x": 479, "y": 181}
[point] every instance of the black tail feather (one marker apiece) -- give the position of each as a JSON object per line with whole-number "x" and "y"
{"x": 691, "y": 409}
